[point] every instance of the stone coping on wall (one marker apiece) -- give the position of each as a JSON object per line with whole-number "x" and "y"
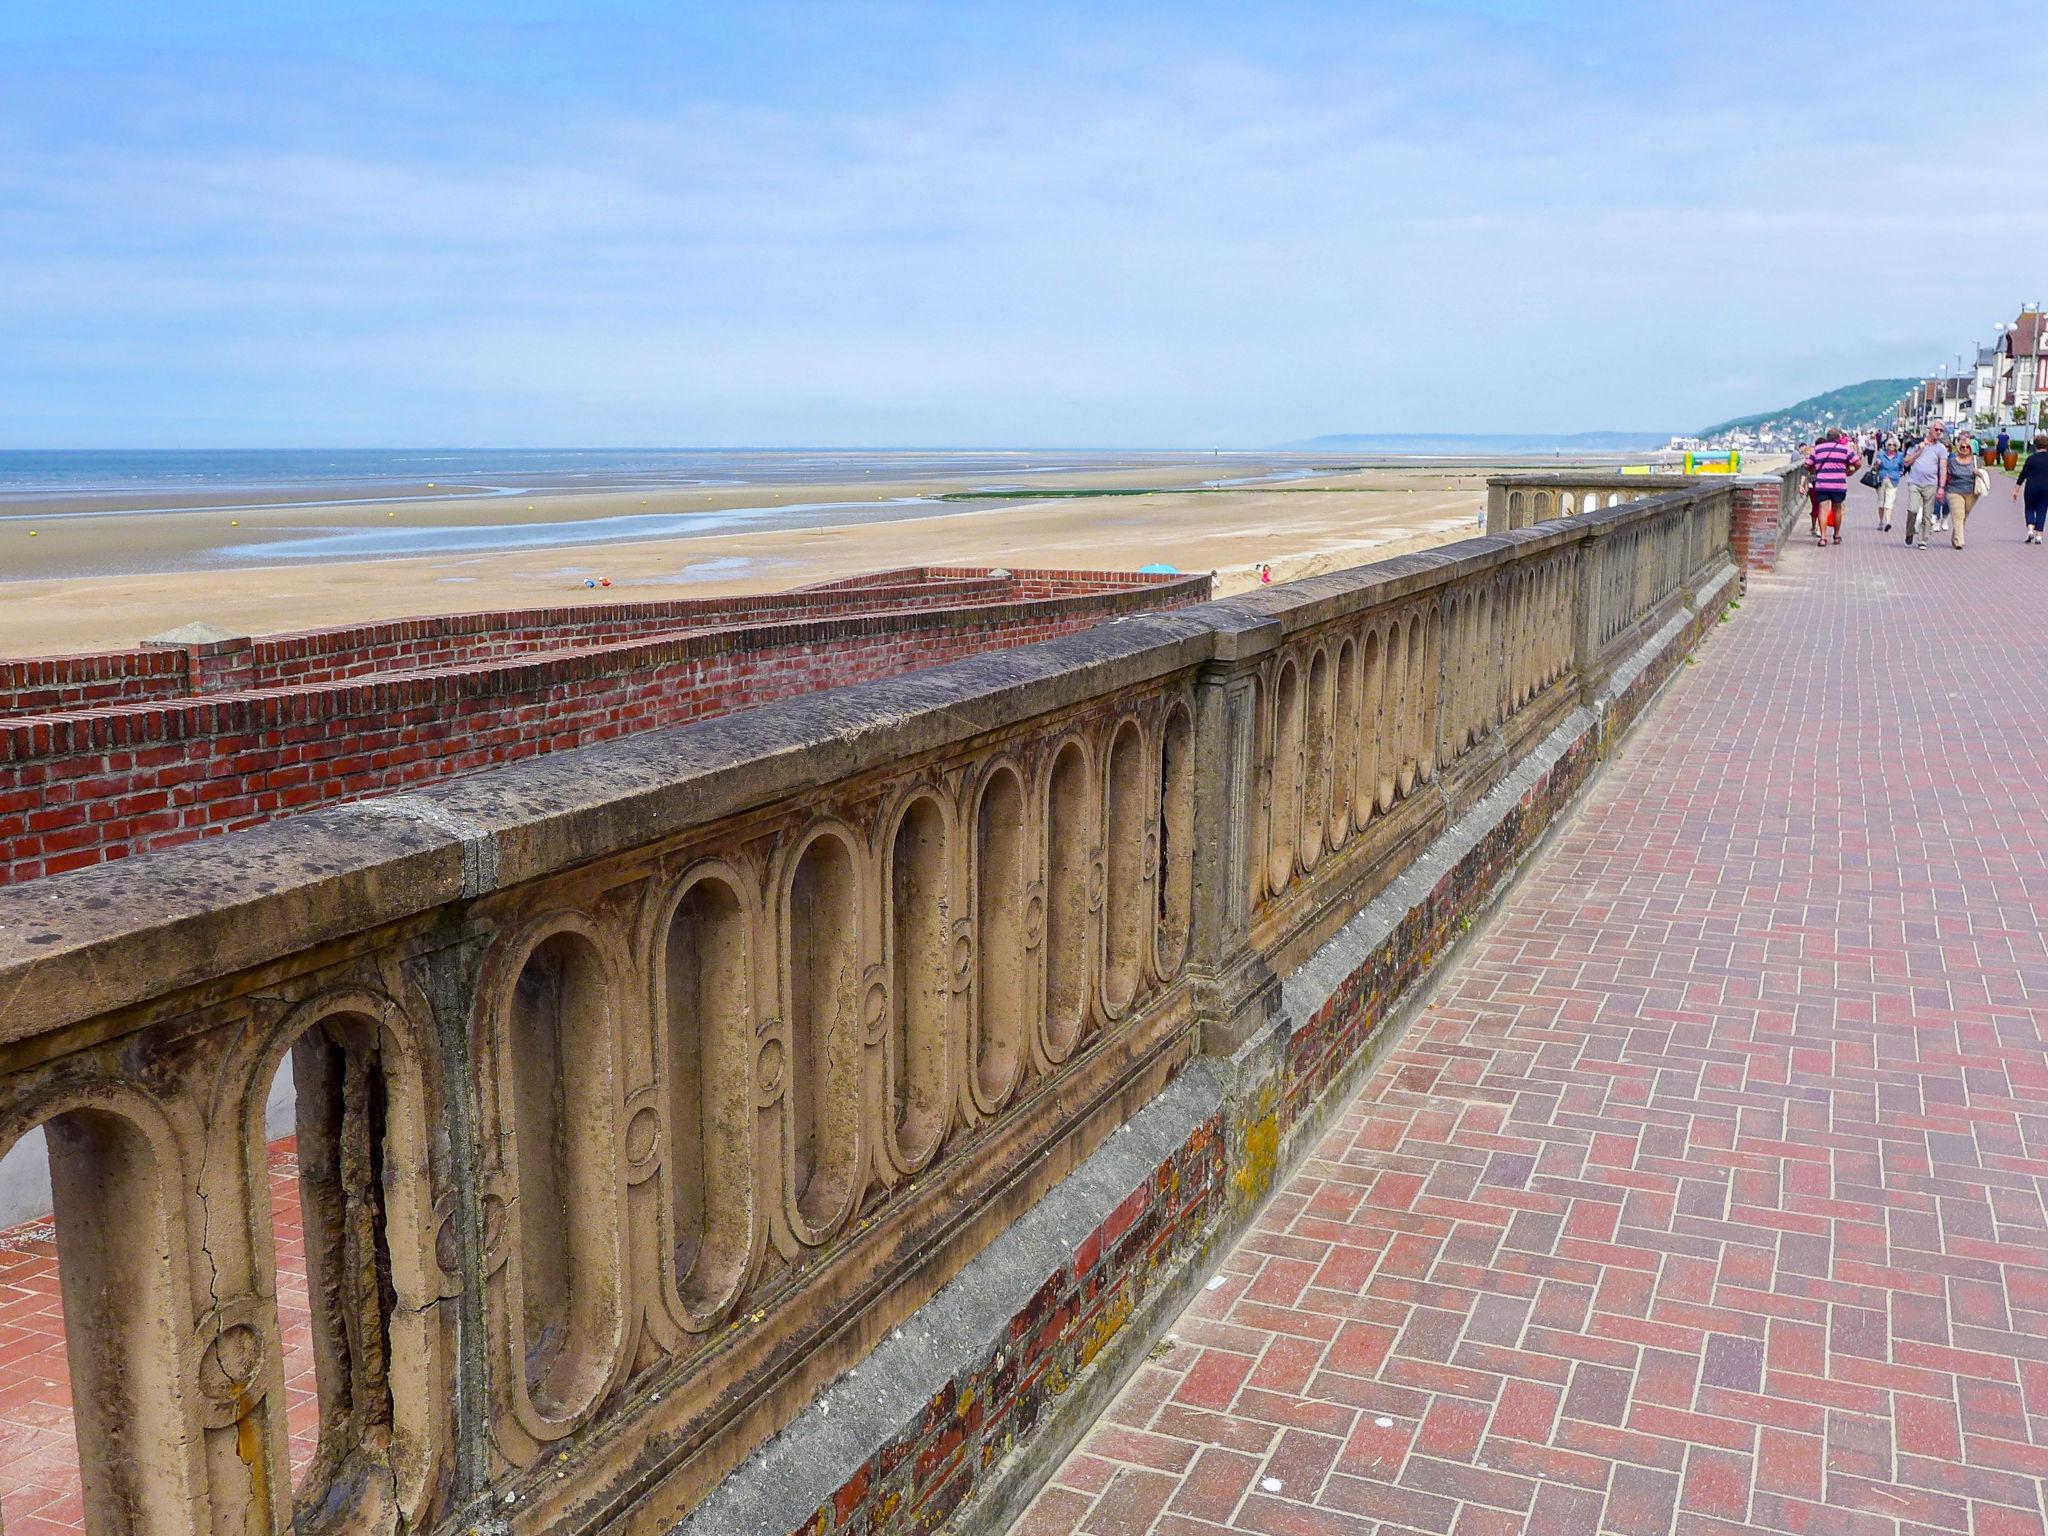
{"x": 957, "y": 1417}
{"x": 1603, "y": 476}
{"x": 99, "y": 939}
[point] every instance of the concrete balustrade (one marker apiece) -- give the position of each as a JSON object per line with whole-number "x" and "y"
{"x": 1763, "y": 507}
{"x": 1521, "y": 501}
{"x": 645, "y": 1088}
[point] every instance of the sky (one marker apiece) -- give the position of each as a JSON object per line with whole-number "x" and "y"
{"x": 1176, "y": 225}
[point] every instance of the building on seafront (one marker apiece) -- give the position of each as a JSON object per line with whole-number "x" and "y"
{"x": 761, "y": 1068}
{"x": 2005, "y": 384}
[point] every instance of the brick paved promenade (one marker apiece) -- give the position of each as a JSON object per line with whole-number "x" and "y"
{"x": 1707, "y": 1195}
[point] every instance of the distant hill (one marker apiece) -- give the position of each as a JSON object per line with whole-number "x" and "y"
{"x": 1481, "y": 442}
{"x": 1853, "y": 405}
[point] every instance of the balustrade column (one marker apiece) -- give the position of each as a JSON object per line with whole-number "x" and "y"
{"x": 1586, "y": 629}
{"x": 1235, "y": 990}
{"x": 472, "y": 1224}
{"x": 1496, "y": 506}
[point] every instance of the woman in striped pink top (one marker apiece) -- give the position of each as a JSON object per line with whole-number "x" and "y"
{"x": 1831, "y": 461}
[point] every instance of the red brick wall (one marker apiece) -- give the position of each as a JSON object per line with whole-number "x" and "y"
{"x": 81, "y": 788}
{"x": 40, "y": 685}
{"x": 326, "y": 656}
{"x": 65, "y": 684}
{"x": 1754, "y": 534}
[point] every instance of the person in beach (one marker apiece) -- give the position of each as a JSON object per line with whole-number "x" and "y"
{"x": 1962, "y": 486}
{"x": 2033, "y": 485}
{"x": 1890, "y": 464}
{"x": 1926, "y": 461}
{"x": 1831, "y": 462}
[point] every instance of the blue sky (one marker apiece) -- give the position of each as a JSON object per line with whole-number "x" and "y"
{"x": 1176, "y": 225}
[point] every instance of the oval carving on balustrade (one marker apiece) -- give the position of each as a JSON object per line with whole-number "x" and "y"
{"x": 1284, "y": 820}
{"x": 1432, "y": 672}
{"x": 642, "y": 1141}
{"x": 1415, "y": 701}
{"x": 913, "y": 991}
{"x": 874, "y": 1006}
{"x": 719, "y": 1065}
{"x": 1008, "y": 916}
{"x": 1126, "y": 865}
{"x": 1371, "y": 689}
{"x": 1175, "y": 844}
{"x": 963, "y": 954}
{"x": 768, "y": 1065}
{"x": 226, "y": 1353}
{"x": 826, "y": 988}
{"x": 492, "y": 1224}
{"x": 555, "y": 993}
{"x": 1315, "y": 761}
{"x": 1393, "y": 711}
{"x": 1343, "y": 742}
{"x": 1070, "y": 907}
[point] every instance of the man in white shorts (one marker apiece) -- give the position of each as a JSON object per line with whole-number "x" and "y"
{"x": 1924, "y": 464}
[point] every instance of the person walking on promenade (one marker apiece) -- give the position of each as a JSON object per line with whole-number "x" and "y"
{"x": 2004, "y": 447}
{"x": 1890, "y": 464}
{"x": 1925, "y": 462}
{"x": 1812, "y": 491}
{"x": 1830, "y": 462}
{"x": 2033, "y": 485}
{"x": 1965, "y": 482}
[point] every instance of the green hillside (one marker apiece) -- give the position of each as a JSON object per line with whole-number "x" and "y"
{"x": 1853, "y": 405}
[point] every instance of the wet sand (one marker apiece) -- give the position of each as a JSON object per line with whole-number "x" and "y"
{"x": 114, "y": 576}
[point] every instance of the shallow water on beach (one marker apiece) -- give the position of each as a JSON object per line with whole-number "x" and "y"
{"x": 388, "y": 543}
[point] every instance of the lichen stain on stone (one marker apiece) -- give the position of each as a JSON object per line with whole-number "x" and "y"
{"x": 1261, "y": 1154}
{"x": 1108, "y": 1323}
{"x": 249, "y": 1446}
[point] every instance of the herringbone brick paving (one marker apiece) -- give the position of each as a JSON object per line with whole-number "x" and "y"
{"x": 1707, "y": 1193}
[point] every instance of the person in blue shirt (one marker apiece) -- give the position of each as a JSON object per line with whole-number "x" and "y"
{"x": 2033, "y": 485}
{"x": 1890, "y": 465}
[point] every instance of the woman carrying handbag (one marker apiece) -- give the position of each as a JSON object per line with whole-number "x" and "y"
{"x": 1967, "y": 480}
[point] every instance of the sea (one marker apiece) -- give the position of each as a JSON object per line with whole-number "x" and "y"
{"x": 26, "y": 473}
{"x": 182, "y": 472}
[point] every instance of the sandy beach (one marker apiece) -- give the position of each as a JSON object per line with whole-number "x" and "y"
{"x": 90, "y": 572}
